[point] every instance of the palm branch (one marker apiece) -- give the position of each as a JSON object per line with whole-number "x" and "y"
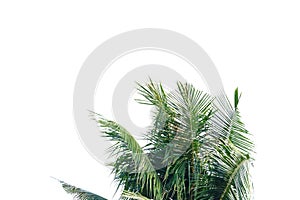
{"x": 79, "y": 193}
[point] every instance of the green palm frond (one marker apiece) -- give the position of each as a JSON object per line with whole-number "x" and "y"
{"x": 162, "y": 130}
{"x": 179, "y": 127}
{"x": 132, "y": 161}
{"x": 228, "y": 167}
{"x": 79, "y": 193}
{"x": 193, "y": 109}
{"x": 228, "y": 177}
{"x": 228, "y": 125}
{"x": 180, "y": 116}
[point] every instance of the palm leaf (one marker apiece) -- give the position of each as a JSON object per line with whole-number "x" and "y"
{"x": 227, "y": 124}
{"x": 132, "y": 168}
{"x": 79, "y": 193}
{"x": 179, "y": 127}
{"x": 229, "y": 176}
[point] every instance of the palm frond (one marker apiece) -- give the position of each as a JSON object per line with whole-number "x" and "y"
{"x": 227, "y": 124}
{"x": 192, "y": 115}
{"x": 180, "y": 116}
{"x": 179, "y": 127}
{"x": 227, "y": 167}
{"x": 132, "y": 168}
{"x": 79, "y": 193}
{"x": 161, "y": 132}
{"x": 228, "y": 177}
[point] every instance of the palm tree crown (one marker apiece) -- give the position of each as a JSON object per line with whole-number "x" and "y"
{"x": 197, "y": 148}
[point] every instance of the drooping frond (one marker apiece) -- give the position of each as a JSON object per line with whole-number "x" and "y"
{"x": 227, "y": 169}
{"x": 132, "y": 168}
{"x": 79, "y": 193}
{"x": 228, "y": 177}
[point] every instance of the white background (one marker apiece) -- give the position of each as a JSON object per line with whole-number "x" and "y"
{"x": 254, "y": 44}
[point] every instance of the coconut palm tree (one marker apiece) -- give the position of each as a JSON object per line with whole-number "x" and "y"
{"x": 197, "y": 148}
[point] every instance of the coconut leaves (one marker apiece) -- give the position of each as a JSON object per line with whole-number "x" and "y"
{"x": 79, "y": 193}
{"x": 198, "y": 148}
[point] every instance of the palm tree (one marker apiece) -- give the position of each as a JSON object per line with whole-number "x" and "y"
{"x": 197, "y": 148}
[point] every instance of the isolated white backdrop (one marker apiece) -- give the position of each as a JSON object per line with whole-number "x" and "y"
{"x": 254, "y": 44}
